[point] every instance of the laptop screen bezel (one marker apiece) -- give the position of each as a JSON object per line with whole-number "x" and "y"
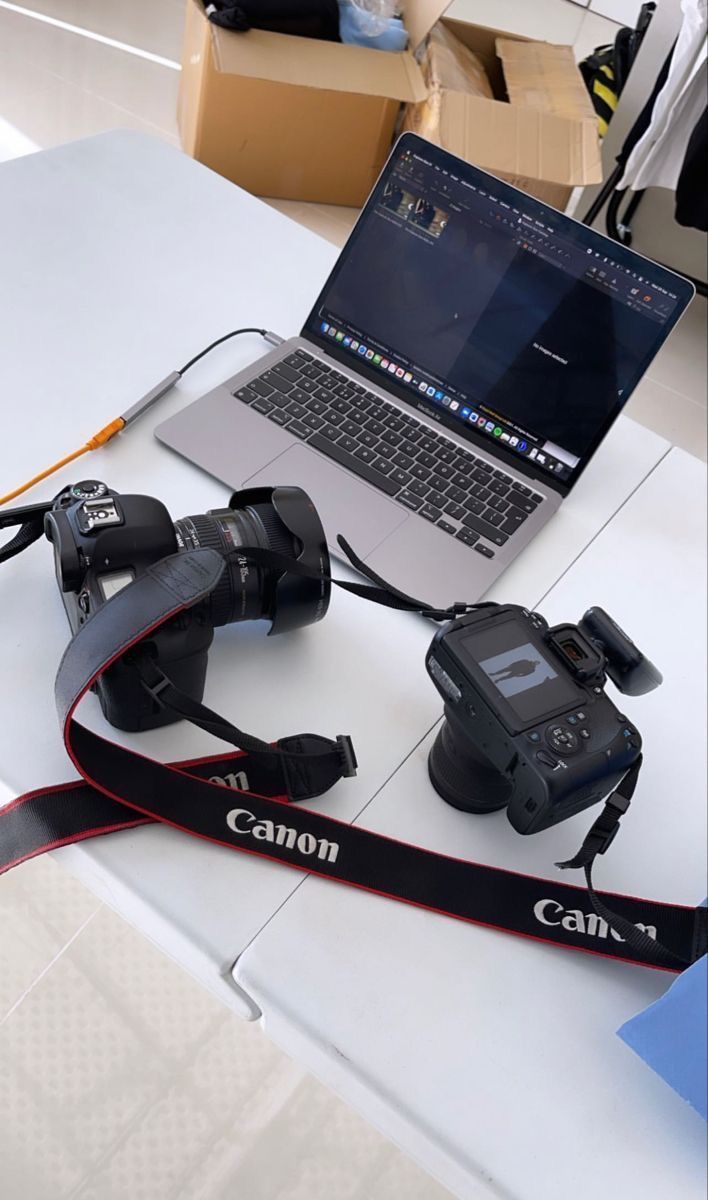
{"x": 591, "y": 238}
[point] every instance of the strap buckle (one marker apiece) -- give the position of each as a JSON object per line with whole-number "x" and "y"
{"x": 152, "y": 679}
{"x": 601, "y": 834}
{"x": 606, "y": 828}
{"x": 459, "y": 609}
{"x": 347, "y": 757}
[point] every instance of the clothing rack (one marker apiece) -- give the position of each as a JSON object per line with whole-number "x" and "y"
{"x": 618, "y": 227}
{"x": 659, "y": 27}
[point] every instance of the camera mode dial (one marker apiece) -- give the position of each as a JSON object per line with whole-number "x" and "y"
{"x": 88, "y": 489}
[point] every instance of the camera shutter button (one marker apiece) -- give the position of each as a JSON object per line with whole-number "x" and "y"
{"x": 562, "y": 739}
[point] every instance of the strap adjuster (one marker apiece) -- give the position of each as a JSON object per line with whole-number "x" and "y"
{"x": 152, "y": 679}
{"x": 620, "y": 803}
{"x": 459, "y": 609}
{"x": 347, "y": 757}
{"x": 604, "y": 835}
{"x": 600, "y": 840}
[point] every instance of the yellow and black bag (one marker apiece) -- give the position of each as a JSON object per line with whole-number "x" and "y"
{"x": 605, "y": 71}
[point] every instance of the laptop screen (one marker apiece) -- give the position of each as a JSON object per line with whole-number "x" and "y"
{"x": 508, "y": 321}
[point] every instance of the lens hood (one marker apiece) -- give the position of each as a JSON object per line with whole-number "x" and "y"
{"x": 298, "y": 601}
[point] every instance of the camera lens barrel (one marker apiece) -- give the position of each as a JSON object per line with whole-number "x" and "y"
{"x": 283, "y": 520}
{"x": 201, "y": 530}
{"x": 462, "y": 776}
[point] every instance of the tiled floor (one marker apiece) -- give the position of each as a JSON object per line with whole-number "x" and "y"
{"x": 122, "y": 1080}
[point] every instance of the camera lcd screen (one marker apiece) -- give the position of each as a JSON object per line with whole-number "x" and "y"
{"x": 519, "y": 671}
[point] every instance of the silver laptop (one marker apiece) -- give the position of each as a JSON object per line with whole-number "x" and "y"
{"x": 462, "y": 363}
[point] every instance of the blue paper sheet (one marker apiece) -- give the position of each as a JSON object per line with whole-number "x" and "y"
{"x": 672, "y": 1036}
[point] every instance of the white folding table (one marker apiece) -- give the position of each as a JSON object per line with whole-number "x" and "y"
{"x": 121, "y": 258}
{"x": 490, "y": 1058}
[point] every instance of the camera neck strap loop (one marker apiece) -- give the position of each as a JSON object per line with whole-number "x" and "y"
{"x": 605, "y": 828}
{"x": 30, "y": 522}
{"x": 379, "y": 591}
{"x": 598, "y": 840}
{"x": 310, "y": 764}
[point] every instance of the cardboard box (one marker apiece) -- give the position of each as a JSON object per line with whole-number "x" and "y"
{"x": 293, "y": 117}
{"x": 300, "y": 119}
{"x": 539, "y": 131}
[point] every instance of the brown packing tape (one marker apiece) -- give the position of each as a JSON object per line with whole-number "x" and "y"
{"x": 448, "y": 65}
{"x": 544, "y": 76}
{"x": 451, "y": 65}
{"x": 419, "y": 17}
{"x": 424, "y": 118}
{"x": 483, "y": 43}
{"x": 326, "y": 66}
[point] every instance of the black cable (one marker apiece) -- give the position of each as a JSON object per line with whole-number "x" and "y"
{"x": 225, "y": 338}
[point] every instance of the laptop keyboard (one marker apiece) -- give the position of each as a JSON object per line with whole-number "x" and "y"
{"x": 463, "y": 495}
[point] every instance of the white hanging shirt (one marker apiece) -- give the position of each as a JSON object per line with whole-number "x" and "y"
{"x": 657, "y": 158}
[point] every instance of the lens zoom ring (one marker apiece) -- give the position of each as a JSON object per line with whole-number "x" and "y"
{"x": 278, "y": 536}
{"x": 209, "y": 536}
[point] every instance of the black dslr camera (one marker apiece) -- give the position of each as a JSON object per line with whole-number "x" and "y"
{"x": 528, "y": 724}
{"x": 102, "y": 540}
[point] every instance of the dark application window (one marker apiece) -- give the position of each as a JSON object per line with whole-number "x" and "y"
{"x": 535, "y": 343}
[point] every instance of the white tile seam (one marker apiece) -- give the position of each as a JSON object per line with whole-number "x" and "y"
{"x": 267, "y": 1104}
{"x": 170, "y": 1078}
{"x": 628, "y": 499}
{"x": 672, "y": 391}
{"x": 52, "y": 962}
{"x": 230, "y": 977}
{"x": 53, "y": 76}
{"x": 91, "y": 36}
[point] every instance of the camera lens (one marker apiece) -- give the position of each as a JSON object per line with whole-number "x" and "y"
{"x": 283, "y": 520}
{"x": 462, "y": 775}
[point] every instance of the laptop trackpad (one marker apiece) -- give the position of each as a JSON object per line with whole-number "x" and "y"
{"x": 345, "y": 504}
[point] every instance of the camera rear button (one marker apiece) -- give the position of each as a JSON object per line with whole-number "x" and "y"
{"x": 547, "y": 760}
{"x": 561, "y": 739}
{"x": 585, "y": 734}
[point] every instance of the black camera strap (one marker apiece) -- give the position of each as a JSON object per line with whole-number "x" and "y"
{"x": 30, "y": 523}
{"x": 597, "y": 841}
{"x": 241, "y": 800}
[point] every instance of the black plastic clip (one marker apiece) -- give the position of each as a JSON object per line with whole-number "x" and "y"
{"x": 606, "y": 835}
{"x": 152, "y": 679}
{"x": 345, "y": 749}
{"x": 601, "y": 835}
{"x": 459, "y": 609}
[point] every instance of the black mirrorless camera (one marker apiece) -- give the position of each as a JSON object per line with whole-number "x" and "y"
{"x": 102, "y": 540}
{"x": 528, "y": 724}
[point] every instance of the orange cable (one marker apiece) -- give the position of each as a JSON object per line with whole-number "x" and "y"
{"x": 99, "y": 439}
